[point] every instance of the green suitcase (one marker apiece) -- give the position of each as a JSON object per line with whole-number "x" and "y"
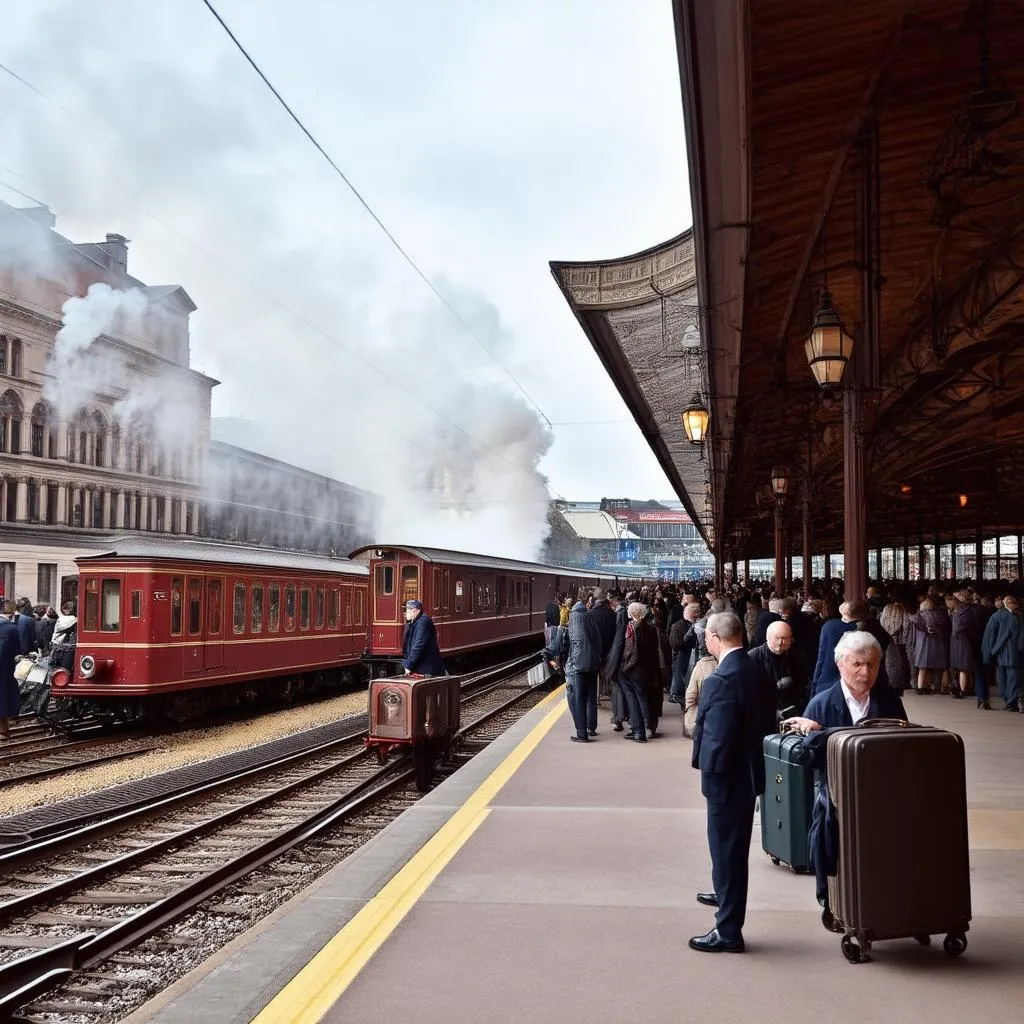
{"x": 786, "y": 804}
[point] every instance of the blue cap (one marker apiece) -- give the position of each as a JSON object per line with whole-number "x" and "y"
{"x": 414, "y": 604}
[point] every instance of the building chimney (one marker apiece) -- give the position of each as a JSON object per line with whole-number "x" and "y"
{"x": 117, "y": 249}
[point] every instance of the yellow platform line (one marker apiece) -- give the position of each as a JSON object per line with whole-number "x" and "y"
{"x": 319, "y": 985}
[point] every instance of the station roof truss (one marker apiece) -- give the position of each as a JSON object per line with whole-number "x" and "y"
{"x": 642, "y": 316}
{"x": 782, "y": 101}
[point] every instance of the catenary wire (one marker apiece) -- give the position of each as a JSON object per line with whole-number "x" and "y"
{"x": 302, "y": 319}
{"x": 369, "y": 209}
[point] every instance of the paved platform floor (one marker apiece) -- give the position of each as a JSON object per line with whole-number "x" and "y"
{"x": 574, "y": 899}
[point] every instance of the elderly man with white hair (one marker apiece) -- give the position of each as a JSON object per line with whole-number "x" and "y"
{"x": 857, "y": 696}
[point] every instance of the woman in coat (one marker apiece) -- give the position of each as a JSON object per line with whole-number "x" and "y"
{"x": 932, "y": 629}
{"x": 640, "y": 674}
{"x": 895, "y": 620}
{"x": 964, "y": 644}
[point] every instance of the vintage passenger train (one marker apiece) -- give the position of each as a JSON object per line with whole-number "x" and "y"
{"x": 180, "y": 627}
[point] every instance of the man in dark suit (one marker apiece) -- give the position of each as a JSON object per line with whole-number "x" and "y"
{"x": 858, "y": 695}
{"x": 733, "y": 717}
{"x": 10, "y": 648}
{"x": 420, "y": 651}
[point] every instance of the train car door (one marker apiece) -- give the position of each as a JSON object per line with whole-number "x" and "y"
{"x": 501, "y": 596}
{"x": 192, "y": 648}
{"x": 385, "y": 593}
{"x": 213, "y": 657}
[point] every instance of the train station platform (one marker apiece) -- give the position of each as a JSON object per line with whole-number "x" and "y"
{"x": 549, "y": 881}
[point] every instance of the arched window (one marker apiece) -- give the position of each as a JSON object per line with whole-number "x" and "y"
{"x": 16, "y": 357}
{"x": 98, "y": 425}
{"x": 10, "y": 422}
{"x": 3, "y": 353}
{"x": 115, "y": 446}
{"x": 44, "y": 438}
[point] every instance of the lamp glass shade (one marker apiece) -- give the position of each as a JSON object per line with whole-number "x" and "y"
{"x": 963, "y": 501}
{"x": 780, "y": 481}
{"x": 696, "y": 419}
{"x": 828, "y": 347}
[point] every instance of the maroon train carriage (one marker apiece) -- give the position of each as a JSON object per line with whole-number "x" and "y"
{"x": 477, "y": 602}
{"x": 174, "y": 626}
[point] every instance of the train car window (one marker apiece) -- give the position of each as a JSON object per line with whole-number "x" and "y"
{"x": 289, "y": 607}
{"x": 360, "y": 606}
{"x": 257, "y": 607}
{"x": 410, "y": 583}
{"x": 195, "y": 607}
{"x": 136, "y": 604}
{"x": 238, "y": 619}
{"x": 304, "y": 603}
{"x": 447, "y": 588}
{"x": 214, "y": 591}
{"x": 459, "y": 587}
{"x": 333, "y": 608}
{"x": 274, "y": 621}
{"x": 348, "y": 608}
{"x": 385, "y": 580}
{"x": 110, "y": 605}
{"x": 319, "y": 607}
{"x": 474, "y": 596}
{"x": 176, "y": 589}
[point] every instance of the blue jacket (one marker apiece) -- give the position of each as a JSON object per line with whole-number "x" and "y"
{"x": 584, "y": 641}
{"x": 10, "y": 648}
{"x": 420, "y": 652}
{"x": 27, "y": 633}
{"x": 1003, "y": 640}
{"x": 826, "y": 671}
{"x": 733, "y": 717}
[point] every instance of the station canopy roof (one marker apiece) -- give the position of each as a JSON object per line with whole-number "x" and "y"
{"x": 781, "y": 102}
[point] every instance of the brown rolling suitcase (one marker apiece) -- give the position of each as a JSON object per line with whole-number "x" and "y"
{"x": 901, "y": 799}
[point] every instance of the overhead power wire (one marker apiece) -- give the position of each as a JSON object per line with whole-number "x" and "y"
{"x": 369, "y": 209}
{"x": 298, "y": 316}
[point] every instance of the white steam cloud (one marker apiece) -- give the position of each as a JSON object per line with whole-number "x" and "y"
{"x": 303, "y": 293}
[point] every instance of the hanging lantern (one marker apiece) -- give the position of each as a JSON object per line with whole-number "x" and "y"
{"x": 828, "y": 346}
{"x": 780, "y": 481}
{"x": 963, "y": 501}
{"x": 696, "y": 419}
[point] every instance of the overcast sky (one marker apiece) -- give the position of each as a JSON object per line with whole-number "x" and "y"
{"x": 490, "y": 137}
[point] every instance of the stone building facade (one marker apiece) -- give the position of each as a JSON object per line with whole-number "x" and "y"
{"x": 78, "y": 475}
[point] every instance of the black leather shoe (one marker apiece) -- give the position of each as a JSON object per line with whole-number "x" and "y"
{"x": 591, "y": 732}
{"x": 714, "y": 943}
{"x": 709, "y": 899}
{"x": 617, "y": 728}
{"x": 579, "y": 739}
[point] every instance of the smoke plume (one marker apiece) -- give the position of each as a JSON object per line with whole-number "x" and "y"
{"x": 319, "y": 333}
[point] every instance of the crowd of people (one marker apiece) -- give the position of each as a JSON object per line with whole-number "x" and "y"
{"x": 744, "y": 661}
{"x": 26, "y": 630}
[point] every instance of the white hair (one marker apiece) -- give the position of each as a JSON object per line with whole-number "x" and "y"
{"x": 856, "y": 641}
{"x": 636, "y": 610}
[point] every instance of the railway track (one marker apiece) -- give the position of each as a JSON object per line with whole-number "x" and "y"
{"x": 199, "y": 866}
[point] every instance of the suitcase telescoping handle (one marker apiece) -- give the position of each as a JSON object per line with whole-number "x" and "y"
{"x": 874, "y": 723}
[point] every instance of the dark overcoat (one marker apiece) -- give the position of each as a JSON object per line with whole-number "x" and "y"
{"x": 10, "y": 648}
{"x": 420, "y": 651}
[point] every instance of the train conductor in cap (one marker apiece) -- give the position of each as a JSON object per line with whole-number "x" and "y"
{"x": 420, "y": 652}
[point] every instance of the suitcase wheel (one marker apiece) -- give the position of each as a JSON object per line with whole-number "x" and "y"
{"x": 801, "y": 871}
{"x": 854, "y": 951}
{"x": 924, "y": 940}
{"x": 954, "y": 945}
{"x": 775, "y": 861}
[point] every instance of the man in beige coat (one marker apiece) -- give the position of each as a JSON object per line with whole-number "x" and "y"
{"x": 700, "y": 672}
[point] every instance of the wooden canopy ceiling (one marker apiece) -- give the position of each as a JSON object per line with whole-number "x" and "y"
{"x": 779, "y": 96}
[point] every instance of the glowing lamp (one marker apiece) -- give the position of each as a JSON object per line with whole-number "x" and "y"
{"x": 828, "y": 347}
{"x": 696, "y": 419}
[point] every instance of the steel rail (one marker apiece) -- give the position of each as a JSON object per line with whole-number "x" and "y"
{"x": 30, "y": 976}
{"x": 87, "y": 762}
{"x": 88, "y": 828}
